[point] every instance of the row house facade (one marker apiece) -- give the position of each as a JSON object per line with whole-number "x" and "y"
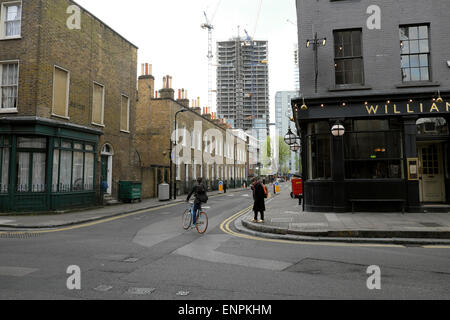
{"x": 205, "y": 147}
{"x": 67, "y": 106}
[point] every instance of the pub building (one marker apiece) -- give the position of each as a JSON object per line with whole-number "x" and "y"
{"x": 375, "y": 153}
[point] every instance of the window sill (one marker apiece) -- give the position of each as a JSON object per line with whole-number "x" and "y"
{"x": 61, "y": 117}
{"x": 3, "y": 111}
{"x": 98, "y": 125}
{"x": 349, "y": 88}
{"x": 416, "y": 84}
{"x": 125, "y": 131}
{"x": 11, "y": 38}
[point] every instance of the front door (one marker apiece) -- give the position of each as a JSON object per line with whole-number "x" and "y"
{"x": 432, "y": 184}
{"x": 104, "y": 172}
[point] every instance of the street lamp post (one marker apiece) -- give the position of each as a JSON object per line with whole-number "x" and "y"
{"x": 174, "y": 177}
{"x": 316, "y": 43}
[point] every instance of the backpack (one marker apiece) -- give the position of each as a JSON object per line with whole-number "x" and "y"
{"x": 201, "y": 194}
{"x": 266, "y": 192}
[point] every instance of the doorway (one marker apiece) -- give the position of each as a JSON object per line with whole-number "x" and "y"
{"x": 432, "y": 176}
{"x": 106, "y": 165}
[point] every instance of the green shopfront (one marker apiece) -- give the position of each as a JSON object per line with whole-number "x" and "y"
{"x": 46, "y": 165}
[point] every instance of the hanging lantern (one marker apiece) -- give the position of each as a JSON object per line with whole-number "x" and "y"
{"x": 290, "y": 138}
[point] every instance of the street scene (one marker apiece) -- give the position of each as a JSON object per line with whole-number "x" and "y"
{"x": 224, "y": 157}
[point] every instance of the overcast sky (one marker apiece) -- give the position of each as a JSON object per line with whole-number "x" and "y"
{"x": 169, "y": 36}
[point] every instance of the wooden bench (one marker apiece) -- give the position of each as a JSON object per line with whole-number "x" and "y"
{"x": 353, "y": 201}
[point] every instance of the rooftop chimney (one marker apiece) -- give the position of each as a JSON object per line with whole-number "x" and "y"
{"x": 146, "y": 83}
{"x": 167, "y": 92}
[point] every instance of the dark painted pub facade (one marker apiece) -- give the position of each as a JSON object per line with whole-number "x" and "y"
{"x": 391, "y": 150}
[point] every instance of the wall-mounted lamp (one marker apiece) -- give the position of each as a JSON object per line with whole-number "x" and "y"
{"x": 338, "y": 130}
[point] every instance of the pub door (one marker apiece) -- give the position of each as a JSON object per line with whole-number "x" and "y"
{"x": 432, "y": 180}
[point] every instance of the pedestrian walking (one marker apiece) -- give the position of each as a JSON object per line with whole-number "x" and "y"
{"x": 259, "y": 197}
{"x": 225, "y": 185}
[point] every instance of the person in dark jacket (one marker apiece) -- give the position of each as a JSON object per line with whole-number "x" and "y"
{"x": 259, "y": 200}
{"x": 199, "y": 192}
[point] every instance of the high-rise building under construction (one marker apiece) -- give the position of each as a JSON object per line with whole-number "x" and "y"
{"x": 243, "y": 85}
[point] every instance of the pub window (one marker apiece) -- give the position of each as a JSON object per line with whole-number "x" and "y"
{"x": 4, "y": 163}
{"x": 73, "y": 166}
{"x": 61, "y": 84}
{"x": 348, "y": 61}
{"x": 432, "y": 126}
{"x": 373, "y": 150}
{"x": 31, "y": 164}
{"x": 415, "y": 53}
{"x": 319, "y": 151}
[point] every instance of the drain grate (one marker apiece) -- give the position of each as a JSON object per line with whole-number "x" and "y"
{"x": 18, "y": 235}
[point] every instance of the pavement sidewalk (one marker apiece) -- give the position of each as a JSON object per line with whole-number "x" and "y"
{"x": 50, "y": 221}
{"x": 284, "y": 218}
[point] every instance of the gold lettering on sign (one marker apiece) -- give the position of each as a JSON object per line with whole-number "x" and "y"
{"x": 421, "y": 107}
{"x": 372, "y": 109}
{"x": 409, "y": 110}
{"x": 386, "y": 109}
{"x": 434, "y": 107}
{"x": 395, "y": 109}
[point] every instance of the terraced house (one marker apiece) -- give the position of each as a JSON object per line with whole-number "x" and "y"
{"x": 67, "y": 101}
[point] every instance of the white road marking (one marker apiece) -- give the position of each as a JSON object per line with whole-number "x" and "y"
{"x": 6, "y": 221}
{"x": 205, "y": 249}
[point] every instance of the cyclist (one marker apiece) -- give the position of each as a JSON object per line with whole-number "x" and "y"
{"x": 199, "y": 192}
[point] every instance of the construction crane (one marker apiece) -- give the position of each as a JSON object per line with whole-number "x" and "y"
{"x": 209, "y": 26}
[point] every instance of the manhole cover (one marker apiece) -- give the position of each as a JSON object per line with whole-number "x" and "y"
{"x": 141, "y": 291}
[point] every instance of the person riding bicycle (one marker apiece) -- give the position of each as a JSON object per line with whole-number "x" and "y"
{"x": 199, "y": 192}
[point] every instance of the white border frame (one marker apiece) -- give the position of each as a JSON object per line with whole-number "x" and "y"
{"x": 67, "y": 93}
{"x": 103, "y": 104}
{"x": 10, "y": 110}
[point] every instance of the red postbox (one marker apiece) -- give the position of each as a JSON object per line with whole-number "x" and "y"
{"x": 297, "y": 189}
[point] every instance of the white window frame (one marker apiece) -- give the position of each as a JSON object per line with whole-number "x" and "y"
{"x": 103, "y": 104}
{"x": 3, "y": 20}
{"x": 128, "y": 114}
{"x": 66, "y": 116}
{"x": 10, "y": 110}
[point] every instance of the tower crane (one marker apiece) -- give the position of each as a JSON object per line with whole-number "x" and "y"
{"x": 209, "y": 26}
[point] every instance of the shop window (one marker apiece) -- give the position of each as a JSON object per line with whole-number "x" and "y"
{"x": 373, "y": 150}
{"x": 432, "y": 126}
{"x": 73, "y": 166}
{"x": 4, "y": 164}
{"x": 319, "y": 151}
{"x": 31, "y": 164}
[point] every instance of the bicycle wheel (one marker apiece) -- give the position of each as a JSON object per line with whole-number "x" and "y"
{"x": 187, "y": 219}
{"x": 202, "y": 222}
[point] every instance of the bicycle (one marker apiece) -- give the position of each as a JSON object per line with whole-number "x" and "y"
{"x": 202, "y": 220}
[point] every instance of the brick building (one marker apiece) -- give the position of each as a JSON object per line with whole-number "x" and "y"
{"x": 68, "y": 92}
{"x": 205, "y": 148}
{"x": 378, "y": 72}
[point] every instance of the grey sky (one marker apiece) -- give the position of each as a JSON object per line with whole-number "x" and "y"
{"x": 169, "y": 36}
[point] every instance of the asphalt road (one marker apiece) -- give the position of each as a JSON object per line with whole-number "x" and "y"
{"x": 149, "y": 256}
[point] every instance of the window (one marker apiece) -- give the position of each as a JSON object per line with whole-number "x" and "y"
{"x": 4, "y": 164}
{"x": 125, "y": 114}
{"x": 319, "y": 151}
{"x": 61, "y": 84}
{"x": 11, "y": 20}
{"x": 98, "y": 104}
{"x": 348, "y": 62}
{"x": 31, "y": 164}
{"x": 73, "y": 166}
{"x": 9, "y": 82}
{"x": 373, "y": 149}
{"x": 432, "y": 126}
{"x": 415, "y": 53}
